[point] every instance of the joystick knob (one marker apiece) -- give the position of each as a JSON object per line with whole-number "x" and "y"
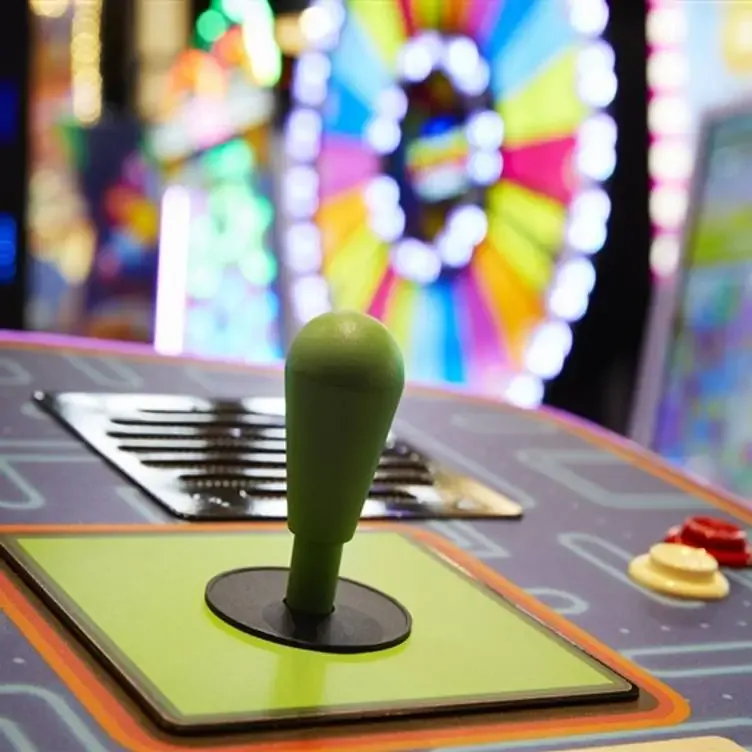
{"x": 344, "y": 378}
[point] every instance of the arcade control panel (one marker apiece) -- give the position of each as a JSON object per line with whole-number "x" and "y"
{"x": 205, "y": 556}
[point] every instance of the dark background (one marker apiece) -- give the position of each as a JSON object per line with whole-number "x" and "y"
{"x": 14, "y": 77}
{"x": 598, "y": 378}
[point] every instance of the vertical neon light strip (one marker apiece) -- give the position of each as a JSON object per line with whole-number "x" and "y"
{"x": 161, "y": 31}
{"x": 670, "y": 126}
{"x": 172, "y": 273}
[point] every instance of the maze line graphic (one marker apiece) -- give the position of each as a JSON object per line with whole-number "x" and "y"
{"x": 107, "y": 373}
{"x": 60, "y": 707}
{"x": 566, "y": 604}
{"x": 143, "y": 507}
{"x": 741, "y": 578}
{"x": 556, "y": 465}
{"x": 462, "y": 463}
{"x": 585, "y": 545}
{"x": 481, "y": 423}
{"x": 467, "y": 537}
{"x": 31, "y": 498}
{"x": 237, "y": 383}
{"x": 31, "y": 410}
{"x": 13, "y": 373}
{"x": 15, "y": 737}
{"x": 6, "y": 444}
{"x": 738, "y": 653}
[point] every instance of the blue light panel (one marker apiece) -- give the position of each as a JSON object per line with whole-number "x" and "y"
{"x": 8, "y": 111}
{"x": 8, "y": 247}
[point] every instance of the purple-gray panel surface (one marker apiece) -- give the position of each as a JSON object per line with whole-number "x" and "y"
{"x": 588, "y": 512}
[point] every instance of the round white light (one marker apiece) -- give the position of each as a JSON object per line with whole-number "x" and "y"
{"x": 592, "y": 203}
{"x": 300, "y": 192}
{"x": 485, "y": 167}
{"x": 665, "y": 254}
{"x": 392, "y": 103}
{"x": 453, "y": 251}
{"x": 475, "y": 82}
{"x": 570, "y": 305}
{"x": 310, "y": 297}
{"x": 589, "y": 17}
{"x": 461, "y": 58}
{"x": 415, "y": 260}
{"x": 669, "y": 116}
{"x": 485, "y": 130}
{"x": 321, "y": 22}
{"x": 548, "y": 348}
{"x": 573, "y": 283}
{"x": 310, "y": 78}
{"x": 303, "y": 248}
{"x": 671, "y": 160}
{"x": 666, "y": 26}
{"x": 594, "y": 160}
{"x": 415, "y": 61}
{"x": 389, "y": 226}
{"x": 468, "y": 223}
{"x": 599, "y": 129}
{"x": 383, "y": 135}
{"x": 585, "y": 234}
{"x": 667, "y": 70}
{"x": 525, "y": 390}
{"x": 381, "y": 194}
{"x": 576, "y": 274}
{"x": 668, "y": 206}
{"x": 303, "y": 137}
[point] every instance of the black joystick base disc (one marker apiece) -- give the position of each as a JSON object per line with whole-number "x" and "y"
{"x": 363, "y": 621}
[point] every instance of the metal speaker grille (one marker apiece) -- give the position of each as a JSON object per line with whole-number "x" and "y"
{"x": 212, "y": 459}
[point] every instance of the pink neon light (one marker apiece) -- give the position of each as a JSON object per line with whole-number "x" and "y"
{"x": 543, "y": 168}
{"x": 480, "y": 17}
{"x": 345, "y": 164}
{"x": 478, "y": 329}
{"x": 657, "y": 138}
{"x": 380, "y": 303}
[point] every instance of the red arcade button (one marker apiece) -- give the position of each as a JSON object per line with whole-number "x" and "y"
{"x": 723, "y": 540}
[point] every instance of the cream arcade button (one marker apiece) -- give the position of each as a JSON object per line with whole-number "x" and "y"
{"x": 679, "y": 570}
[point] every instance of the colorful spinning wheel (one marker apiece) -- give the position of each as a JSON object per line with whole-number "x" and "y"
{"x": 444, "y": 169}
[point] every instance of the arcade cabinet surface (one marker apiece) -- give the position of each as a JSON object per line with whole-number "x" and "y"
{"x": 525, "y": 632}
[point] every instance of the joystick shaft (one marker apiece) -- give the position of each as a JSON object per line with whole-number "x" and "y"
{"x": 312, "y": 582}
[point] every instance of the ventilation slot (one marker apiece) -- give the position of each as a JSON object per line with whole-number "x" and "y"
{"x": 220, "y": 460}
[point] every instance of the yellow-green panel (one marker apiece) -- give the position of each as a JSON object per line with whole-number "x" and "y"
{"x": 144, "y": 594}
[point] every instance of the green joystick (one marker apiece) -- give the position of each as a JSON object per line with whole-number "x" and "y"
{"x": 344, "y": 378}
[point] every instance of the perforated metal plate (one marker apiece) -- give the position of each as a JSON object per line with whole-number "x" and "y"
{"x": 211, "y": 459}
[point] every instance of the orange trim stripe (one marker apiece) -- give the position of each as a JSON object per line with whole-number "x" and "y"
{"x": 126, "y": 729}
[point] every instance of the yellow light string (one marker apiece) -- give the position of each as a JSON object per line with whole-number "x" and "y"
{"x": 86, "y": 56}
